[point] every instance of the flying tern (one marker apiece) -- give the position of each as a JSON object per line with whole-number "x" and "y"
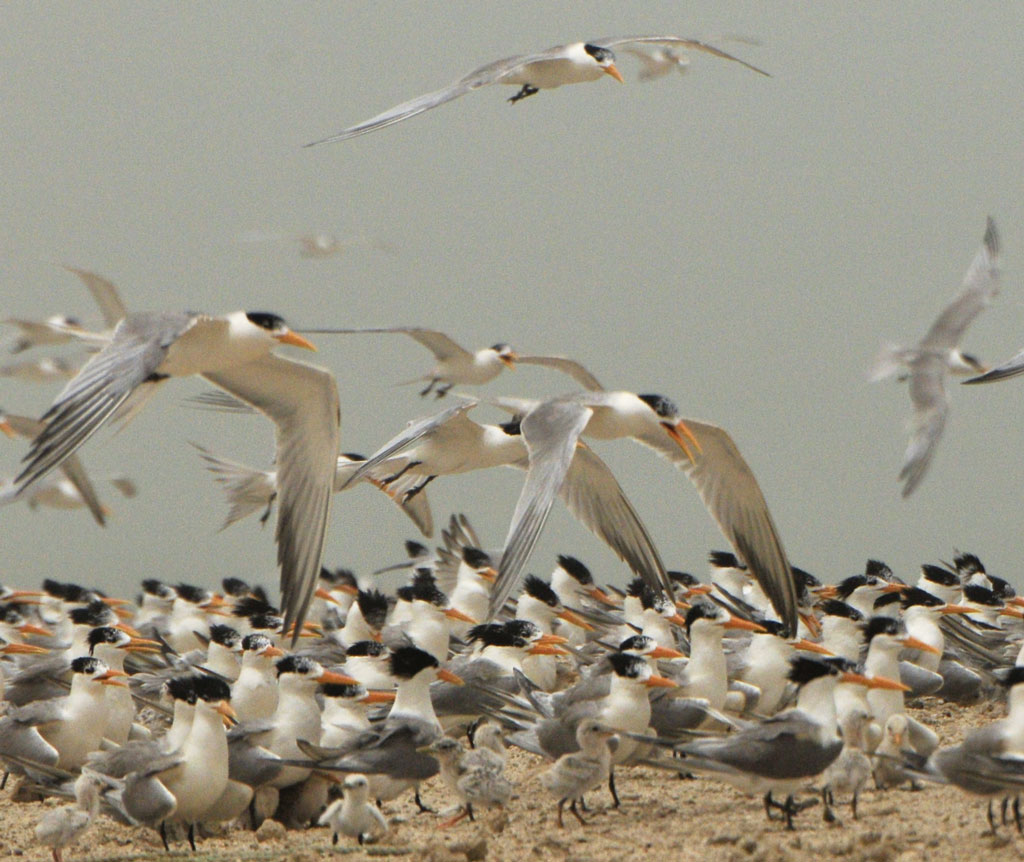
{"x": 574, "y": 63}
{"x": 938, "y": 353}
{"x": 234, "y": 353}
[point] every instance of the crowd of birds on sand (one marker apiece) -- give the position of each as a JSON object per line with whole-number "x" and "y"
{"x": 326, "y": 711}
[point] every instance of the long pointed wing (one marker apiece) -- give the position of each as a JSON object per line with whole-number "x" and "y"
{"x": 551, "y": 433}
{"x": 981, "y": 284}
{"x": 567, "y": 366}
{"x": 597, "y": 500}
{"x": 302, "y": 402}
{"x": 730, "y": 493}
{"x": 692, "y": 44}
{"x": 105, "y": 294}
{"x": 139, "y": 345}
{"x": 1011, "y": 368}
{"x": 931, "y": 407}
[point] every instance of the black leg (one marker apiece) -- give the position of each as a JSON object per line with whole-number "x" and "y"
{"x": 853, "y": 805}
{"x": 334, "y": 838}
{"x": 3, "y": 783}
{"x": 1004, "y": 805}
{"x": 419, "y": 804}
{"x": 192, "y": 836}
{"x": 270, "y": 508}
{"x": 390, "y": 479}
{"x": 611, "y": 787}
{"x": 1016, "y": 814}
{"x": 469, "y": 811}
{"x": 527, "y": 90}
{"x": 412, "y": 492}
{"x": 561, "y": 804}
{"x": 430, "y": 386}
{"x": 579, "y": 816}
{"x": 828, "y": 815}
{"x": 769, "y": 804}
{"x": 163, "y": 835}
{"x": 361, "y": 839}
{"x": 991, "y": 818}
{"x": 441, "y": 391}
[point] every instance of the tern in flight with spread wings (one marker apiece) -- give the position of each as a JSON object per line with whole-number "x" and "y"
{"x": 564, "y": 64}
{"x": 938, "y": 354}
{"x": 233, "y": 352}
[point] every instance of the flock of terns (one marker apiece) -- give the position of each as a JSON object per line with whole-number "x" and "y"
{"x": 763, "y": 678}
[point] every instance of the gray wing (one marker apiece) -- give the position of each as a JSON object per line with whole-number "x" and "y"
{"x": 551, "y": 433}
{"x": 72, "y": 467}
{"x": 412, "y": 433}
{"x": 139, "y": 344}
{"x": 105, "y": 294}
{"x": 981, "y": 284}
{"x": 597, "y": 500}
{"x": 931, "y": 406}
{"x": 217, "y": 399}
{"x": 567, "y": 366}
{"x": 489, "y": 74}
{"x": 302, "y": 402}
{"x": 732, "y": 496}
{"x": 692, "y": 44}
{"x": 416, "y": 507}
{"x": 1010, "y": 368}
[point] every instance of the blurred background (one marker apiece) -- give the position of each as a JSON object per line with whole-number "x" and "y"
{"x": 741, "y": 244}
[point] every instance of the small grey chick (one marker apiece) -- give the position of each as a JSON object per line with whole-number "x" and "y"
{"x": 354, "y": 815}
{"x": 891, "y": 753}
{"x": 850, "y": 771}
{"x": 573, "y": 775}
{"x": 65, "y": 825}
{"x": 475, "y": 776}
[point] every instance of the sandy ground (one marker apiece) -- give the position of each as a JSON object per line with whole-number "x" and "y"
{"x": 660, "y": 814}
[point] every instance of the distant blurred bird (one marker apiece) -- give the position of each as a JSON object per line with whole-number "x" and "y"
{"x": 937, "y": 354}
{"x": 317, "y": 243}
{"x": 45, "y": 370}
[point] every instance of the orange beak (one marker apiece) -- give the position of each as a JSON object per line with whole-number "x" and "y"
{"x": 348, "y": 588}
{"x": 678, "y": 620}
{"x": 811, "y": 646}
{"x": 143, "y": 645}
{"x": 227, "y": 714}
{"x": 546, "y": 649}
{"x": 1009, "y": 612}
{"x": 575, "y": 620}
{"x": 33, "y": 629}
{"x": 5, "y": 426}
{"x": 110, "y": 600}
{"x": 699, "y": 590}
{"x": 552, "y": 640}
{"x": 956, "y": 609}
{"x": 321, "y": 593}
{"x": 746, "y": 625}
{"x": 296, "y": 340}
{"x": 448, "y": 676}
{"x": 664, "y": 652}
{"x": 681, "y": 434}
{"x": 873, "y": 681}
{"x": 828, "y": 591}
{"x": 614, "y": 72}
{"x": 330, "y": 677}
{"x": 914, "y": 643}
{"x": 455, "y": 614}
{"x": 272, "y": 651}
{"x": 893, "y": 588}
{"x": 660, "y": 682}
{"x": 23, "y": 649}
{"x": 509, "y": 360}
{"x": 111, "y": 677}
{"x": 488, "y": 574}
{"x": 602, "y": 596}
{"x": 811, "y": 621}
{"x": 128, "y": 630}
{"x": 19, "y": 594}
{"x": 378, "y": 697}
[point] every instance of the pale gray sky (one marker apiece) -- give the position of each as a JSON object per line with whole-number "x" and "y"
{"x": 741, "y": 244}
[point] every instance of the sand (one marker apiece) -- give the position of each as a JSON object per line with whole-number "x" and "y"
{"x": 660, "y": 814}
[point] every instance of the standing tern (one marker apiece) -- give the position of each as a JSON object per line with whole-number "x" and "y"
{"x": 574, "y": 63}
{"x": 725, "y": 482}
{"x": 576, "y": 773}
{"x": 234, "y": 353}
{"x": 937, "y": 354}
{"x": 60, "y": 827}
{"x": 354, "y": 814}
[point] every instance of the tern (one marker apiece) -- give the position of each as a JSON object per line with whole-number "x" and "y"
{"x": 475, "y": 777}
{"x": 234, "y": 353}
{"x": 725, "y": 482}
{"x": 354, "y": 814}
{"x": 574, "y": 63}
{"x": 937, "y": 354}
{"x": 576, "y": 773}
{"x": 63, "y": 826}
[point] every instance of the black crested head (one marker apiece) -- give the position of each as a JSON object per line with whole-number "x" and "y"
{"x": 1001, "y": 587}
{"x": 502, "y": 349}
{"x": 299, "y": 664}
{"x": 635, "y": 588}
{"x": 804, "y": 580}
{"x": 625, "y": 664}
{"x": 266, "y": 622}
{"x": 424, "y": 589}
{"x": 415, "y": 549}
{"x": 350, "y": 692}
{"x": 192, "y": 594}
{"x": 724, "y": 560}
{"x": 839, "y": 663}
{"x": 182, "y": 688}
{"x": 373, "y": 605}
{"x": 486, "y": 633}
{"x": 248, "y": 606}
{"x": 881, "y": 626}
{"x": 652, "y": 600}
{"x": 514, "y": 426}
{"x": 339, "y": 577}
{"x": 235, "y": 587}
{"x": 836, "y": 608}
{"x": 12, "y": 614}
{"x": 773, "y": 627}
{"x": 256, "y": 642}
{"x": 66, "y": 592}
{"x": 225, "y": 635}
{"x": 845, "y": 588}
{"x": 878, "y": 569}
{"x": 982, "y": 596}
{"x": 354, "y": 456}
{"x": 575, "y": 569}
{"x": 684, "y": 579}
{"x": 540, "y": 590}
{"x": 212, "y": 689}
{"x": 803, "y": 670}
{"x": 664, "y": 407}
{"x": 266, "y": 320}
{"x": 600, "y": 55}
{"x": 406, "y": 593}
{"x": 700, "y": 611}
{"x": 92, "y": 615}
{"x": 1011, "y": 676}
{"x": 106, "y": 635}
{"x": 153, "y": 587}
{"x": 522, "y": 632}
{"x": 916, "y": 596}
{"x": 475, "y": 558}
{"x": 939, "y": 575}
{"x": 407, "y": 661}
{"x": 638, "y": 644}
{"x": 366, "y": 648}
{"x": 968, "y": 564}
{"x": 87, "y": 664}
{"x": 885, "y": 600}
